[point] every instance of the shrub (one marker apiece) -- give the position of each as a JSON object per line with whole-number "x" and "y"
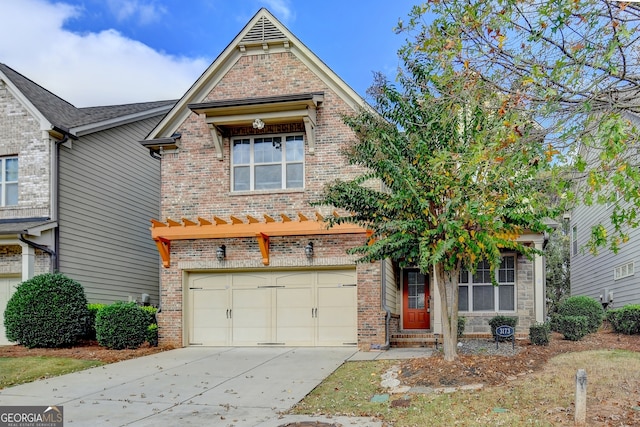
{"x": 625, "y": 320}
{"x": 150, "y": 312}
{"x": 574, "y": 328}
{"x": 48, "y": 310}
{"x": 462, "y": 321}
{"x": 553, "y": 322}
{"x": 152, "y": 335}
{"x": 583, "y": 306}
{"x": 90, "y": 328}
{"x": 121, "y": 325}
{"x": 497, "y": 321}
{"x": 540, "y": 334}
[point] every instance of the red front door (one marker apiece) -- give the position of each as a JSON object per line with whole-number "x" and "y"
{"x": 415, "y": 300}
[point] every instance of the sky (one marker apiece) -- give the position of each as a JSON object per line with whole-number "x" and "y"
{"x": 109, "y": 52}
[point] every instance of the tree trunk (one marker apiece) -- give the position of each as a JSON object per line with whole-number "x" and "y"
{"x": 447, "y": 282}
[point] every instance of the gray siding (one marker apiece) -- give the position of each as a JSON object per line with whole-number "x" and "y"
{"x": 591, "y": 274}
{"x": 109, "y": 189}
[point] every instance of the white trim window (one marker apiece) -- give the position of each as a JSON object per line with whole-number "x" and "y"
{"x": 624, "y": 270}
{"x": 8, "y": 181}
{"x": 267, "y": 162}
{"x": 477, "y": 293}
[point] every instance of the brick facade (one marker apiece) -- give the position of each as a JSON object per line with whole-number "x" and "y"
{"x": 195, "y": 183}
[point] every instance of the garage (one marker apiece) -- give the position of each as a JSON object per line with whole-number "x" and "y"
{"x": 7, "y": 287}
{"x": 286, "y": 308}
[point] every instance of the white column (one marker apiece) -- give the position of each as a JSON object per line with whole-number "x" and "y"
{"x": 435, "y": 305}
{"x": 539, "y": 278}
{"x": 28, "y": 261}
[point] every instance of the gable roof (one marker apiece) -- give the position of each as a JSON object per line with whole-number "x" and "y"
{"x": 62, "y": 114}
{"x": 264, "y": 32}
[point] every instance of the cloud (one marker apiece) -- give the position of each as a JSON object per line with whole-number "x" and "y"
{"x": 281, "y": 9}
{"x": 89, "y": 69}
{"x": 143, "y": 13}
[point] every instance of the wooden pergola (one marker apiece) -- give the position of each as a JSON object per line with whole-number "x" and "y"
{"x": 217, "y": 228}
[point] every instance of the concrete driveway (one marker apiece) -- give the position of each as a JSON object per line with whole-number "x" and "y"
{"x": 189, "y": 386}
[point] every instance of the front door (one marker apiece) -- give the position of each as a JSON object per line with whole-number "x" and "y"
{"x": 415, "y": 300}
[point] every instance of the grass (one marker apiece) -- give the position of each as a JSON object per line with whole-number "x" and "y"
{"x": 20, "y": 370}
{"x": 540, "y": 399}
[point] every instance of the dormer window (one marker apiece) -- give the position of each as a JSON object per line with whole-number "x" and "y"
{"x": 267, "y": 162}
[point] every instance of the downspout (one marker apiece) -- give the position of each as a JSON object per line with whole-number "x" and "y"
{"x": 158, "y": 156}
{"x": 51, "y": 252}
{"x": 55, "y": 205}
{"x": 383, "y": 285}
{"x": 55, "y": 265}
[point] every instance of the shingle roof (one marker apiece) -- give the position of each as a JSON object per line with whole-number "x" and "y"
{"x": 63, "y": 114}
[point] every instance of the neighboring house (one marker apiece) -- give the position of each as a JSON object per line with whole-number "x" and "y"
{"x": 76, "y": 192}
{"x": 610, "y": 278}
{"x": 247, "y": 259}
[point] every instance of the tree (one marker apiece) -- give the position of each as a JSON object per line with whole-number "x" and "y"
{"x": 574, "y": 66}
{"x": 557, "y": 267}
{"x": 453, "y": 175}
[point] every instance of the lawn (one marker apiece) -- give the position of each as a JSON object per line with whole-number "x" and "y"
{"x": 20, "y": 370}
{"x": 542, "y": 398}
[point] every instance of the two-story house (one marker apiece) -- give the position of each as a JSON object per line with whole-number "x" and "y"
{"x": 247, "y": 259}
{"x": 76, "y": 192}
{"x": 608, "y": 277}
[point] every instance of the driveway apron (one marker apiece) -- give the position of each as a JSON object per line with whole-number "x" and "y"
{"x": 189, "y": 386}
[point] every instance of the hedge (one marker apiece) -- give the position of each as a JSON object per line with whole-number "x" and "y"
{"x": 48, "y": 310}
{"x": 583, "y": 306}
{"x": 625, "y": 320}
{"x": 121, "y": 325}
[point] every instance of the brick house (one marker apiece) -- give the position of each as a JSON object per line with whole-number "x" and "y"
{"x": 76, "y": 191}
{"x": 247, "y": 260}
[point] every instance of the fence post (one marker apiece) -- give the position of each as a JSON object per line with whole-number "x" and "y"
{"x": 581, "y": 398}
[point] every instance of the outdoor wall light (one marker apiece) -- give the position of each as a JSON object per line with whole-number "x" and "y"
{"x": 308, "y": 250}
{"x": 221, "y": 252}
{"x": 258, "y": 124}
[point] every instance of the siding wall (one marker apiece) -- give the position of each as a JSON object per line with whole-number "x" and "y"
{"x": 109, "y": 189}
{"x": 591, "y": 274}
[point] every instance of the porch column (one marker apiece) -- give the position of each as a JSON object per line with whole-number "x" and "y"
{"x": 28, "y": 261}
{"x": 436, "y": 310}
{"x": 539, "y": 283}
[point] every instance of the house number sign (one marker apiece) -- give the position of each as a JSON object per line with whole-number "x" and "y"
{"x": 506, "y": 331}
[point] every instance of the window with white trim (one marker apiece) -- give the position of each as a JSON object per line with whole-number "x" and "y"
{"x": 477, "y": 293}
{"x": 8, "y": 181}
{"x": 624, "y": 270}
{"x": 574, "y": 240}
{"x": 267, "y": 162}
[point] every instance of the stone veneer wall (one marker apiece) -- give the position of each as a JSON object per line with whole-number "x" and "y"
{"x": 20, "y": 135}
{"x": 525, "y": 307}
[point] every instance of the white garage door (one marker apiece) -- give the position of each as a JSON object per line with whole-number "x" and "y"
{"x": 7, "y": 287}
{"x": 292, "y": 308}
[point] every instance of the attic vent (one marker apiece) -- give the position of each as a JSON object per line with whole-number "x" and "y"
{"x": 263, "y": 31}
